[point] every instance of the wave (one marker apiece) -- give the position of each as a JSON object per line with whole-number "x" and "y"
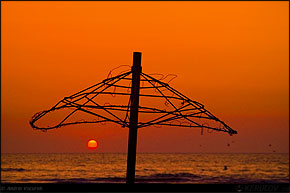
{"x": 13, "y": 169}
{"x": 77, "y": 180}
{"x": 162, "y": 178}
{"x": 168, "y": 177}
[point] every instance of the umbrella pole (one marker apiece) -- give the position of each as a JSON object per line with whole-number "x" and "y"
{"x": 132, "y": 142}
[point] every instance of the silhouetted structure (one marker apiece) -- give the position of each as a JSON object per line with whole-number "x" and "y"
{"x": 179, "y": 110}
{"x": 132, "y": 143}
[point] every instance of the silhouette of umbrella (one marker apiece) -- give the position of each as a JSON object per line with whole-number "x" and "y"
{"x": 143, "y": 100}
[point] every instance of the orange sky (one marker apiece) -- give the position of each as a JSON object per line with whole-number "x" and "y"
{"x": 233, "y": 57}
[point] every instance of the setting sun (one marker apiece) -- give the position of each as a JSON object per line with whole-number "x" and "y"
{"x": 92, "y": 144}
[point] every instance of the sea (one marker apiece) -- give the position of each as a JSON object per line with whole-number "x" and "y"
{"x": 176, "y": 168}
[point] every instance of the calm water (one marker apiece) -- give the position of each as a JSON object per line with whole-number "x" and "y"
{"x": 150, "y": 168}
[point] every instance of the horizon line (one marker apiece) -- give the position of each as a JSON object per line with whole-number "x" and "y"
{"x": 146, "y": 153}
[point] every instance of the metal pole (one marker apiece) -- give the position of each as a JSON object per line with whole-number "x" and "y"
{"x": 132, "y": 142}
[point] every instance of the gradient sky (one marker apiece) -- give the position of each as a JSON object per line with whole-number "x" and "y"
{"x": 233, "y": 57}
